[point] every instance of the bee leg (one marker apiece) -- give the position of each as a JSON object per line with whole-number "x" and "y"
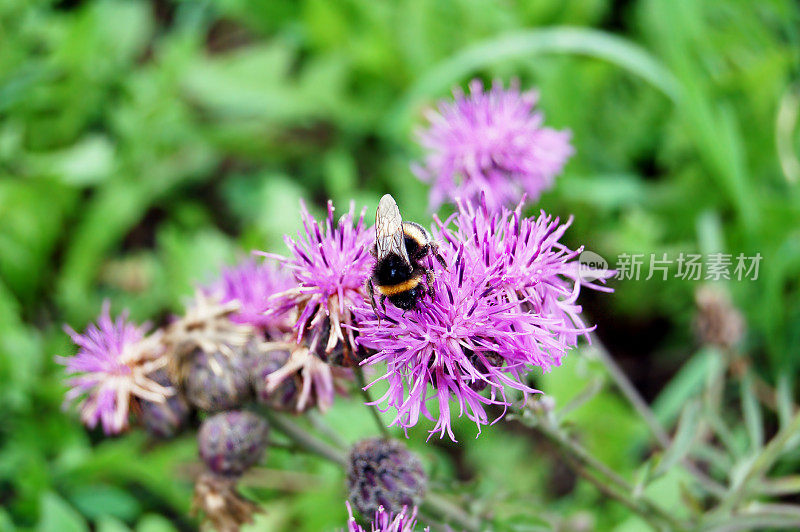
{"x": 383, "y": 303}
{"x": 434, "y": 247}
{"x": 429, "y": 277}
{"x": 371, "y": 294}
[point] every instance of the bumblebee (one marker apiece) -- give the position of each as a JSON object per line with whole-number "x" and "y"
{"x": 399, "y": 248}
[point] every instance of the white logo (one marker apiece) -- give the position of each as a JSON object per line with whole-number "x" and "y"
{"x": 591, "y": 266}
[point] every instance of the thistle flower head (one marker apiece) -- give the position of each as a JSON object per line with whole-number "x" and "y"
{"x": 384, "y": 475}
{"x": 491, "y": 141}
{"x": 206, "y": 353}
{"x": 451, "y": 346}
{"x": 536, "y": 269}
{"x": 251, "y": 283}
{"x": 231, "y": 442}
{"x": 112, "y": 366}
{"x": 384, "y": 521}
{"x": 330, "y": 262}
{"x": 505, "y": 304}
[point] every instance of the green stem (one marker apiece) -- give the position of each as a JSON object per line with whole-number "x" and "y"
{"x": 629, "y": 391}
{"x": 611, "y": 483}
{"x": 451, "y": 513}
{"x": 318, "y": 422}
{"x": 582, "y": 455}
{"x": 304, "y": 440}
{"x": 362, "y": 386}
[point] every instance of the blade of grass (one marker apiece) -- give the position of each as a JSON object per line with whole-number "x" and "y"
{"x": 683, "y": 439}
{"x": 562, "y": 40}
{"x": 753, "y": 418}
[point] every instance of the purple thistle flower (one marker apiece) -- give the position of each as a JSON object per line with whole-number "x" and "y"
{"x": 330, "y": 262}
{"x": 505, "y": 304}
{"x": 490, "y": 141}
{"x": 538, "y": 271}
{"x": 113, "y": 365}
{"x": 251, "y": 283}
{"x": 384, "y": 521}
{"x": 449, "y": 347}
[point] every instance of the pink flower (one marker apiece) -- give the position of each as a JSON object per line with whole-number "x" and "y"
{"x": 505, "y": 305}
{"x": 491, "y": 141}
{"x": 330, "y": 262}
{"x": 251, "y": 283}
{"x": 113, "y": 364}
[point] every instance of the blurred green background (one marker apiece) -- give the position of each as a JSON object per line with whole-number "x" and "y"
{"x": 143, "y": 144}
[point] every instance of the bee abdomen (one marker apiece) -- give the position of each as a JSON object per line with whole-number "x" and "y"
{"x": 394, "y": 289}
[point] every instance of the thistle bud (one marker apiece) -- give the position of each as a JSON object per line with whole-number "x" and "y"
{"x": 206, "y": 355}
{"x": 216, "y": 381}
{"x": 164, "y": 419}
{"x": 231, "y": 442}
{"x": 384, "y": 473}
{"x": 717, "y": 321}
{"x": 285, "y": 396}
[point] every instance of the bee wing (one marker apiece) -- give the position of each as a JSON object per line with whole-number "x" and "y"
{"x": 389, "y": 229}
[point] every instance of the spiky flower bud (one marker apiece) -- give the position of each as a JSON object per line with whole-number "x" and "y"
{"x": 264, "y": 362}
{"x": 223, "y": 507}
{"x": 216, "y": 381}
{"x": 384, "y": 473}
{"x": 231, "y": 442}
{"x": 164, "y": 419}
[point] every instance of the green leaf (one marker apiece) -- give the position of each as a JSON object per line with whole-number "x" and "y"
{"x": 95, "y": 501}
{"x": 753, "y": 418}
{"x": 58, "y": 516}
{"x": 785, "y": 398}
{"x": 687, "y": 383}
{"x": 110, "y": 524}
{"x": 709, "y": 233}
{"x": 605, "y": 191}
{"x": 683, "y": 439}
{"x": 6, "y": 524}
{"x": 154, "y": 523}
{"x": 87, "y": 162}
{"x": 251, "y": 81}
